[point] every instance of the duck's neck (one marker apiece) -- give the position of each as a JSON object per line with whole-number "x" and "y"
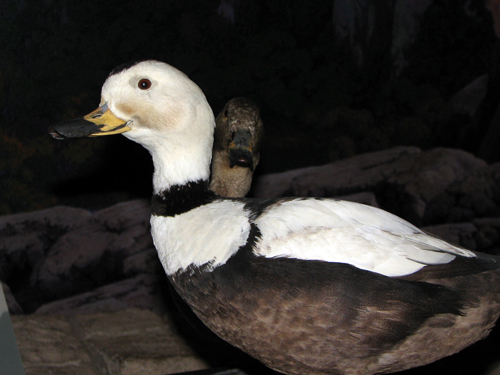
{"x": 180, "y": 179}
{"x": 178, "y": 165}
{"x": 178, "y": 157}
{"x": 226, "y": 181}
{"x": 179, "y": 199}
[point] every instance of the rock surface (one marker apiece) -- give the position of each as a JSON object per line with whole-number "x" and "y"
{"x": 125, "y": 342}
{"x": 89, "y": 295}
{"x": 403, "y": 179}
{"x": 58, "y": 252}
{"x": 475, "y": 195}
{"x": 141, "y": 291}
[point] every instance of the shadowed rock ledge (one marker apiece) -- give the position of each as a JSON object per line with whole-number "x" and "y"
{"x": 88, "y": 294}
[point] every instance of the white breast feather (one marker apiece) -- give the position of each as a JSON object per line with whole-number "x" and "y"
{"x": 210, "y": 233}
{"x": 346, "y": 232}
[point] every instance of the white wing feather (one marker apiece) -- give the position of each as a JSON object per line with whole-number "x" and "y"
{"x": 353, "y": 233}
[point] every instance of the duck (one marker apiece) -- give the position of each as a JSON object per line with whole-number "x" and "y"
{"x": 239, "y": 131}
{"x": 305, "y": 285}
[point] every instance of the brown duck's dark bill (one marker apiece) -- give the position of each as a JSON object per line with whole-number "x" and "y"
{"x": 241, "y": 157}
{"x": 73, "y": 129}
{"x": 240, "y": 150}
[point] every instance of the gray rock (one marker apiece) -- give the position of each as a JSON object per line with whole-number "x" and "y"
{"x": 365, "y": 198}
{"x": 126, "y": 342}
{"x": 144, "y": 262}
{"x": 476, "y": 194}
{"x": 60, "y": 217}
{"x": 48, "y": 345}
{"x": 403, "y": 179}
{"x": 480, "y": 234}
{"x": 462, "y": 234}
{"x": 142, "y": 291}
{"x": 58, "y": 252}
{"x": 25, "y": 238}
{"x": 110, "y": 315}
{"x": 488, "y": 234}
{"x": 93, "y": 254}
{"x": 494, "y": 369}
{"x": 341, "y": 178}
{"x": 112, "y": 335}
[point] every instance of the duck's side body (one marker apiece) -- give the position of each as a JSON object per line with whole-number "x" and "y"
{"x": 306, "y": 285}
{"x": 236, "y": 151}
{"x": 314, "y": 328}
{"x": 303, "y": 316}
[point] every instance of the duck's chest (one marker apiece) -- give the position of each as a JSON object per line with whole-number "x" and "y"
{"x": 208, "y": 234}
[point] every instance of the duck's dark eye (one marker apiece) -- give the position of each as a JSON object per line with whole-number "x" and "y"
{"x": 144, "y": 84}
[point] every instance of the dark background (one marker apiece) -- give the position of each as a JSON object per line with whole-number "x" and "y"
{"x": 324, "y": 74}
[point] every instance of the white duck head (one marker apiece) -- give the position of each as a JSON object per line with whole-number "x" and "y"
{"x": 159, "y": 107}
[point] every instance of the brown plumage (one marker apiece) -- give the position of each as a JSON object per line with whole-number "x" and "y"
{"x": 237, "y": 142}
{"x": 318, "y": 318}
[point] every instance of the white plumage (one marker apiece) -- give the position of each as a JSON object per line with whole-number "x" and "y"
{"x": 348, "y": 232}
{"x": 203, "y": 235}
{"x": 165, "y": 119}
{"x": 310, "y": 229}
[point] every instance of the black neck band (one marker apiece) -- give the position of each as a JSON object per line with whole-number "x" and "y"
{"x": 179, "y": 199}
